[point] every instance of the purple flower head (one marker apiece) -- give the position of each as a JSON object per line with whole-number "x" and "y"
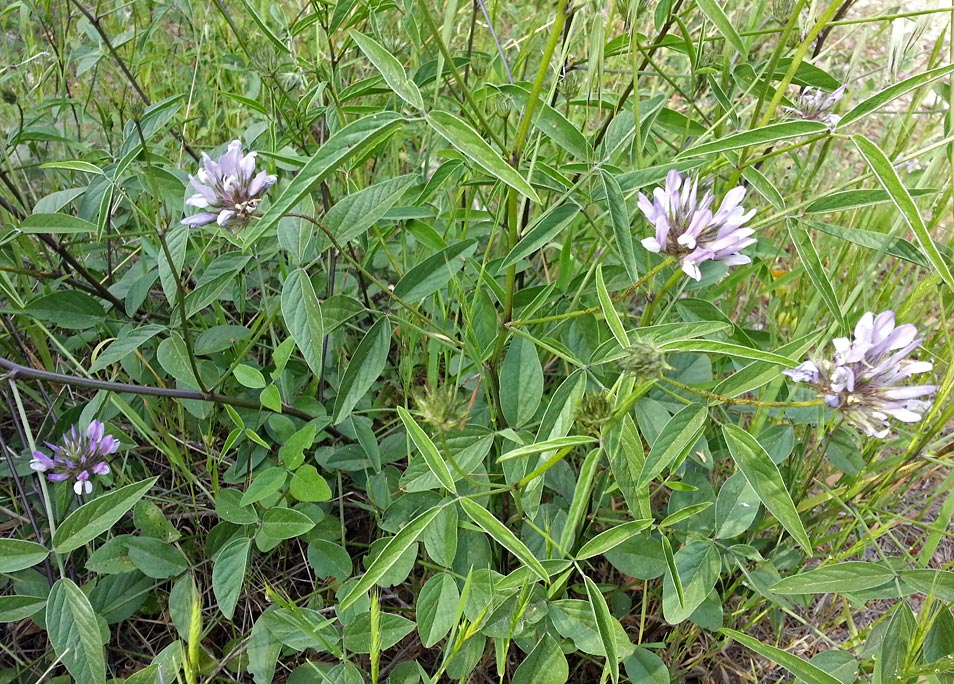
{"x": 813, "y": 104}
{"x": 687, "y": 228}
{"x": 78, "y": 457}
{"x": 228, "y": 190}
{"x": 863, "y": 379}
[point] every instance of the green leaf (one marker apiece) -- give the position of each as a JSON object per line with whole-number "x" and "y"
{"x": 551, "y": 122}
{"x": 604, "y": 624}
{"x": 389, "y": 555}
{"x": 153, "y": 522}
{"x": 302, "y": 314}
{"x": 503, "y": 536}
{"x": 95, "y": 517}
{"x": 816, "y": 271}
{"x": 522, "y": 388}
{"x": 60, "y": 224}
{"x": 435, "y": 272}
{"x": 349, "y": 142}
{"x": 574, "y": 620}
{"x": 353, "y": 215}
{"x": 292, "y": 452}
{"x": 622, "y": 228}
{"x": 249, "y": 377}
{"x": 124, "y": 345}
{"x": 581, "y": 500}
{"x": 173, "y": 356}
{"x": 757, "y": 467}
{"x": 891, "y": 660}
{"x": 765, "y": 135}
{"x": 360, "y": 634}
{"x": 728, "y": 349}
{"x": 364, "y": 367}
{"x": 847, "y": 200}
{"x": 541, "y": 232}
{"x": 392, "y": 70}
{"x": 428, "y": 450}
{"x": 329, "y": 560}
{"x": 228, "y": 574}
{"x": 70, "y": 309}
{"x": 14, "y": 608}
{"x": 214, "y": 279}
{"x": 799, "y": 667}
{"x": 891, "y": 182}
{"x": 880, "y": 242}
{"x": 185, "y": 602}
{"x": 548, "y": 445}
{"x": 609, "y": 311}
{"x": 674, "y": 442}
{"x": 437, "y": 608}
{"x": 301, "y": 628}
{"x": 228, "y": 507}
{"x": 893, "y": 92}
{"x": 938, "y": 583}
{"x": 73, "y": 165}
{"x": 717, "y": 16}
{"x": 760, "y": 373}
{"x": 264, "y": 484}
{"x": 285, "y": 523}
{"x": 459, "y": 134}
{"x": 546, "y": 664}
{"x": 611, "y": 538}
{"x": 763, "y": 186}
{"x": 156, "y": 558}
{"x": 624, "y": 447}
{"x": 844, "y": 577}
{"x": 646, "y": 667}
{"x": 74, "y": 633}
{"x": 684, "y": 514}
{"x": 308, "y": 485}
{"x": 19, "y": 554}
{"x": 736, "y": 507}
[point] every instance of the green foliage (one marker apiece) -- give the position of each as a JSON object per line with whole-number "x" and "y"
{"x": 430, "y": 408}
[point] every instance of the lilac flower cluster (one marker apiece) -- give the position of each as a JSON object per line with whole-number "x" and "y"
{"x": 228, "y": 190}
{"x": 814, "y": 104}
{"x": 687, "y": 228}
{"x": 863, "y": 378}
{"x": 78, "y": 457}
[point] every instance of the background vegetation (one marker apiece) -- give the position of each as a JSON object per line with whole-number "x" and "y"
{"x": 434, "y": 414}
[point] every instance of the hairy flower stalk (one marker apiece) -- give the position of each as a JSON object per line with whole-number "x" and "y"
{"x": 813, "y": 104}
{"x": 687, "y": 229}
{"x": 228, "y": 190}
{"x": 79, "y": 456}
{"x": 863, "y": 379}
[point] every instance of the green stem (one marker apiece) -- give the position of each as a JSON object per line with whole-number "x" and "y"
{"x": 800, "y": 53}
{"x": 742, "y": 402}
{"x": 594, "y": 309}
{"x": 648, "y": 311}
{"x": 180, "y": 297}
{"x": 45, "y": 494}
{"x": 449, "y": 60}
{"x": 555, "y": 32}
{"x": 381, "y": 285}
{"x": 513, "y": 227}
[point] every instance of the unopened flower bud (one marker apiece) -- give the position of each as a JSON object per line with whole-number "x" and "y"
{"x": 592, "y": 412}
{"x": 644, "y": 360}
{"x": 440, "y": 408}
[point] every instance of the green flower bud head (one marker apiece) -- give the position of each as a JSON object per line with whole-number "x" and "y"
{"x": 644, "y": 360}
{"x": 440, "y": 408}
{"x": 593, "y": 411}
